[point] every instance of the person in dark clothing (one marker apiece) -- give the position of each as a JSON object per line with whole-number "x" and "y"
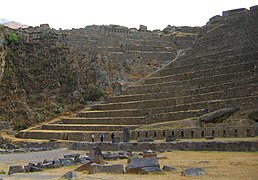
{"x": 112, "y": 137}
{"x": 101, "y": 137}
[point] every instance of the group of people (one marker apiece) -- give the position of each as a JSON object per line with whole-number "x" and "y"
{"x": 101, "y": 137}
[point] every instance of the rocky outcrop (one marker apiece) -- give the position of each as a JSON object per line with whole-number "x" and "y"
{"x": 219, "y": 115}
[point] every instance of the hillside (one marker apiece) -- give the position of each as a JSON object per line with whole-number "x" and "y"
{"x": 53, "y": 72}
{"x": 208, "y": 90}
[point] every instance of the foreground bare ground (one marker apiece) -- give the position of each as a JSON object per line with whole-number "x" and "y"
{"x": 218, "y": 165}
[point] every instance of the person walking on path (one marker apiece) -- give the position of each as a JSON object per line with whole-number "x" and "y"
{"x": 113, "y": 138}
{"x": 92, "y": 138}
{"x": 101, "y": 137}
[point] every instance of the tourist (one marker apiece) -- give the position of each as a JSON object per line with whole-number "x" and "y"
{"x": 113, "y": 137}
{"x": 92, "y": 138}
{"x": 101, "y": 137}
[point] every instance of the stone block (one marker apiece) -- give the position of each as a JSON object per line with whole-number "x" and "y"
{"x": 170, "y": 138}
{"x": 95, "y": 151}
{"x": 137, "y": 164}
{"x": 66, "y": 162}
{"x": 84, "y": 167}
{"x": 143, "y": 28}
{"x": 45, "y": 165}
{"x": 219, "y": 115}
{"x": 193, "y": 171}
{"x": 168, "y": 168}
{"x": 126, "y": 134}
{"x": 70, "y": 175}
{"x": 70, "y": 156}
{"x": 154, "y": 169}
{"x": 81, "y": 160}
{"x": 16, "y": 169}
{"x": 35, "y": 169}
{"x": 110, "y": 156}
{"x": 114, "y": 168}
{"x": 57, "y": 163}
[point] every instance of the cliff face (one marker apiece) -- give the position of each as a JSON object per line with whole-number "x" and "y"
{"x": 51, "y": 71}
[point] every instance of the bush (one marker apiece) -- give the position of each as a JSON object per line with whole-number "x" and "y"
{"x": 20, "y": 126}
{"x": 58, "y": 108}
{"x": 94, "y": 95}
{"x": 13, "y": 38}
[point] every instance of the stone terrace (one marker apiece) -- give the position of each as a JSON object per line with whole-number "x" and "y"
{"x": 220, "y": 70}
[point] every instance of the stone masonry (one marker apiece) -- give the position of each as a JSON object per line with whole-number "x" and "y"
{"x": 218, "y": 71}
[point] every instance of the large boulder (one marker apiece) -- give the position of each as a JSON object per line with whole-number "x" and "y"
{"x": 140, "y": 165}
{"x": 70, "y": 175}
{"x": 110, "y": 156}
{"x": 81, "y": 160}
{"x": 168, "y": 168}
{"x": 16, "y": 169}
{"x": 45, "y": 165}
{"x": 219, "y": 115}
{"x": 31, "y": 167}
{"x": 113, "y": 168}
{"x": 57, "y": 163}
{"x": 95, "y": 151}
{"x": 84, "y": 167}
{"x": 96, "y": 159}
{"x": 70, "y": 156}
{"x": 66, "y": 162}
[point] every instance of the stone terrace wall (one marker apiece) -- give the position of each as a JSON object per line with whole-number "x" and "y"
{"x": 50, "y": 70}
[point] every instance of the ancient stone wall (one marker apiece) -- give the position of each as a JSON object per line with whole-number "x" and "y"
{"x": 2, "y": 52}
{"x": 50, "y": 71}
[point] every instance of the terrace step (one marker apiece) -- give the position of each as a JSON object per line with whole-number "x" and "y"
{"x": 208, "y": 64}
{"x": 190, "y": 83}
{"x": 170, "y": 94}
{"x": 224, "y": 54}
{"x": 144, "y": 104}
{"x": 118, "y": 121}
{"x": 88, "y": 127}
{"x": 204, "y": 73}
{"x": 250, "y": 101}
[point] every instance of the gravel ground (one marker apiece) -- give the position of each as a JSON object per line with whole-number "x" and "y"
{"x": 7, "y": 160}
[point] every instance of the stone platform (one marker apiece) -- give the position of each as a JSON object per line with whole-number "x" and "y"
{"x": 221, "y": 144}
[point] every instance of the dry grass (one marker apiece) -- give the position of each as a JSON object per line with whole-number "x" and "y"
{"x": 221, "y": 165}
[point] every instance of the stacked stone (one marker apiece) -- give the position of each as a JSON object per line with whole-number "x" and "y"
{"x": 219, "y": 71}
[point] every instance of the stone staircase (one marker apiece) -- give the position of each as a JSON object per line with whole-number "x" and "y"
{"x": 220, "y": 70}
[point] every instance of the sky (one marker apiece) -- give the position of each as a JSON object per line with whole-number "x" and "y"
{"x": 155, "y": 14}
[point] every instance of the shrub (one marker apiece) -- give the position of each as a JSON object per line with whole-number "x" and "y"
{"x": 20, "y": 126}
{"x": 13, "y": 38}
{"x": 58, "y": 108}
{"x": 94, "y": 95}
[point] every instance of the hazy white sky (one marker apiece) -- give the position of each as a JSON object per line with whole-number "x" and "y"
{"x": 156, "y": 14}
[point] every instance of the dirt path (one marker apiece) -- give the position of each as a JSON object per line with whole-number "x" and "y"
{"x": 218, "y": 165}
